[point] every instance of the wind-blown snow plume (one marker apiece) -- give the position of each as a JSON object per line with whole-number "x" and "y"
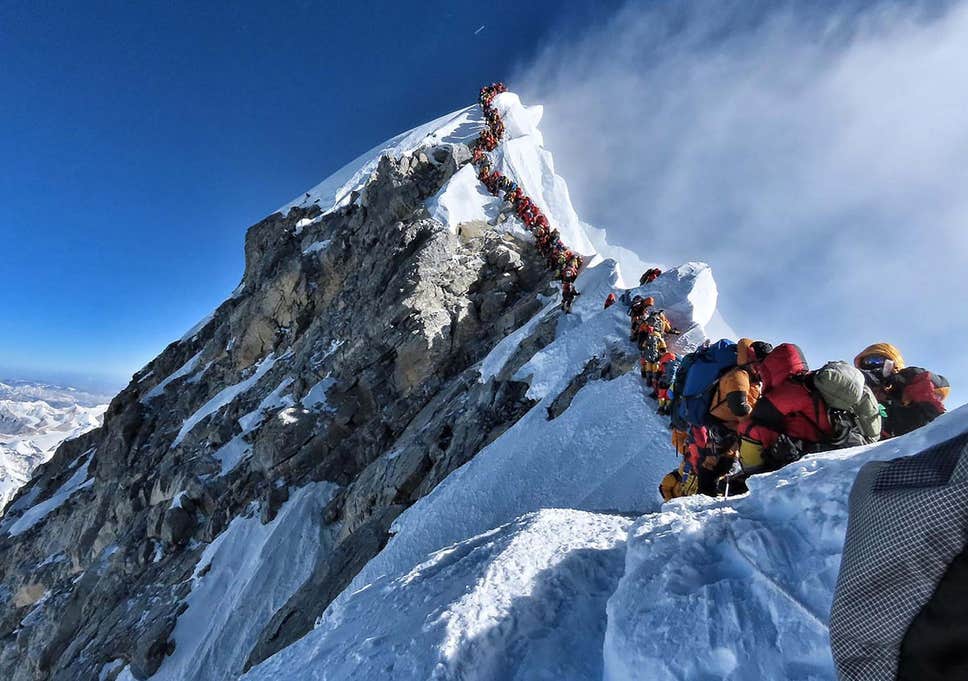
{"x": 814, "y": 157}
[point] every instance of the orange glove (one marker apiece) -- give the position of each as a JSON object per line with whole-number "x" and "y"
{"x": 679, "y": 441}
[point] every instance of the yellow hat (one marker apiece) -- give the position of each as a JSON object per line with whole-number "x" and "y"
{"x": 885, "y": 350}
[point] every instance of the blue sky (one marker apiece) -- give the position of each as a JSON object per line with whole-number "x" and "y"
{"x": 813, "y": 153}
{"x": 140, "y": 140}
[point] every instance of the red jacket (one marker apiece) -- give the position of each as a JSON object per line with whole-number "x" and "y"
{"x": 786, "y": 404}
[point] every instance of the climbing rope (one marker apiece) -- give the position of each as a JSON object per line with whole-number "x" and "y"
{"x": 562, "y": 260}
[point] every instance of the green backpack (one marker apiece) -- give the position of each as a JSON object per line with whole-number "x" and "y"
{"x": 842, "y": 387}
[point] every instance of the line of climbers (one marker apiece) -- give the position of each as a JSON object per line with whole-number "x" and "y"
{"x": 649, "y": 329}
{"x": 761, "y": 407}
{"x": 564, "y": 262}
{"x": 744, "y": 404}
{"x": 742, "y": 408}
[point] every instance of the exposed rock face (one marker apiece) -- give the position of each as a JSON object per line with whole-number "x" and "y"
{"x": 347, "y": 355}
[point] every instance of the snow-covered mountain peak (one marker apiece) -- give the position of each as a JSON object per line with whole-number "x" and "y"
{"x": 390, "y": 454}
{"x": 34, "y": 419}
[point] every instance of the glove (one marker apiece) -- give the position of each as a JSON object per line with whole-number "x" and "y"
{"x": 679, "y": 441}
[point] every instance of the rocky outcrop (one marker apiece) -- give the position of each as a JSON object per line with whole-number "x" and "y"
{"x": 346, "y": 355}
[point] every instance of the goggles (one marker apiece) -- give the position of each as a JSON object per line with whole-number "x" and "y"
{"x": 872, "y": 363}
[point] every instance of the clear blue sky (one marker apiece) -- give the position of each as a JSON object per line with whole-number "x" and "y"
{"x": 141, "y": 139}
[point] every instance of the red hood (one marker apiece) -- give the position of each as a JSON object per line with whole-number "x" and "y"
{"x": 785, "y": 361}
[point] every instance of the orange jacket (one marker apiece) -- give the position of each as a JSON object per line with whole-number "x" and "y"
{"x": 736, "y": 394}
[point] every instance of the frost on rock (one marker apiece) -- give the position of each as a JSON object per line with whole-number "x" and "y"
{"x": 224, "y": 397}
{"x": 199, "y": 325}
{"x": 317, "y": 247}
{"x": 182, "y": 371}
{"x": 275, "y": 400}
{"x": 232, "y": 453}
{"x": 34, "y": 514}
{"x": 524, "y": 601}
{"x": 316, "y": 397}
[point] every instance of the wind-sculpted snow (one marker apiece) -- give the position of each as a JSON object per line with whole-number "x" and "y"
{"x": 335, "y": 191}
{"x": 742, "y": 588}
{"x": 524, "y": 601}
{"x": 687, "y": 293}
{"x": 606, "y": 451}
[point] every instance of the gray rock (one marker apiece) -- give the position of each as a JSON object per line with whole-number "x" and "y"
{"x": 369, "y": 349}
{"x": 177, "y": 526}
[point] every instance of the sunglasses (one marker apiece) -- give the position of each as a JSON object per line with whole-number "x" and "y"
{"x": 873, "y": 362}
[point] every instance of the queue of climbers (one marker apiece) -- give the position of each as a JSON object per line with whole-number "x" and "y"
{"x": 735, "y": 408}
{"x": 649, "y": 329}
{"x": 742, "y": 408}
{"x": 565, "y": 263}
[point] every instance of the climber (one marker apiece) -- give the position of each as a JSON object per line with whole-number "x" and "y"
{"x": 651, "y": 339}
{"x": 568, "y": 295}
{"x": 651, "y": 346}
{"x": 788, "y": 420}
{"x": 637, "y": 312}
{"x": 917, "y": 398}
{"x": 700, "y": 469}
{"x": 610, "y": 300}
{"x": 680, "y": 482}
{"x": 684, "y": 480}
{"x": 668, "y": 364}
{"x": 649, "y": 276}
{"x": 911, "y": 396}
{"x": 732, "y": 398}
{"x": 852, "y": 409}
{"x": 658, "y": 321}
{"x": 738, "y": 389}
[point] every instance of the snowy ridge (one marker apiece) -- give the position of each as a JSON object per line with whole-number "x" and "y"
{"x": 336, "y": 190}
{"x": 524, "y": 601}
{"x": 548, "y": 554}
{"x": 483, "y": 580}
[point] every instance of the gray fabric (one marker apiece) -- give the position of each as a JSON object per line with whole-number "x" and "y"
{"x": 908, "y": 520}
{"x": 840, "y": 384}
{"x": 868, "y": 414}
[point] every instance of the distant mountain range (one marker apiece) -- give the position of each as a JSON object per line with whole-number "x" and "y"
{"x": 34, "y": 419}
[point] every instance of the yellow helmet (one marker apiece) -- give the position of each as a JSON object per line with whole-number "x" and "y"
{"x": 885, "y": 350}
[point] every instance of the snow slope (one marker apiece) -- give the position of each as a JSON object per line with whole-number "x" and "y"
{"x": 524, "y": 601}
{"x": 766, "y": 561}
{"x": 735, "y": 589}
{"x": 548, "y": 554}
{"x": 243, "y": 577}
{"x": 34, "y": 419}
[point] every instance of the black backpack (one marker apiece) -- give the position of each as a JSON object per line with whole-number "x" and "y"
{"x": 846, "y": 432}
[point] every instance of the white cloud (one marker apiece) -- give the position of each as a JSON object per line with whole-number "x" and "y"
{"x": 819, "y": 162}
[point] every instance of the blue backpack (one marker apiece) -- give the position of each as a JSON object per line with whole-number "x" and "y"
{"x": 697, "y": 390}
